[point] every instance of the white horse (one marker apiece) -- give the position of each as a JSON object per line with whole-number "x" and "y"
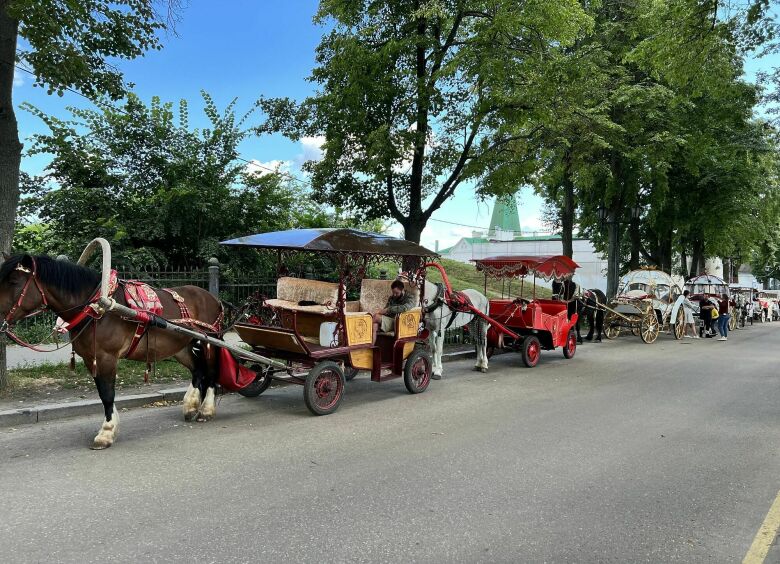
{"x": 439, "y": 318}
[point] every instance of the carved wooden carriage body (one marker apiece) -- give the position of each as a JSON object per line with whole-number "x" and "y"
{"x": 325, "y": 338}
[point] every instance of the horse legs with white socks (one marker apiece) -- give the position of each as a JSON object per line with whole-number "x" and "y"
{"x": 439, "y": 318}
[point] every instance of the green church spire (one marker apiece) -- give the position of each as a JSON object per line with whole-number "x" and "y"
{"x": 505, "y": 216}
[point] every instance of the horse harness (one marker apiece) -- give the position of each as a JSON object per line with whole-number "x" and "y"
{"x": 457, "y": 302}
{"x": 92, "y": 310}
{"x": 9, "y": 318}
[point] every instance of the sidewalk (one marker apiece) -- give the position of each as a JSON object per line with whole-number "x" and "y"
{"x": 67, "y": 404}
{"x": 19, "y": 357}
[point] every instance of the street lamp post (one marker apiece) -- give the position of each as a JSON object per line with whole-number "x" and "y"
{"x": 612, "y": 221}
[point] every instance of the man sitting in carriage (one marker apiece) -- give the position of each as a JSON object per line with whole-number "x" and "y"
{"x": 399, "y": 301}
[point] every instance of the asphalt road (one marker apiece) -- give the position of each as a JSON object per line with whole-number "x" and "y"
{"x": 627, "y": 453}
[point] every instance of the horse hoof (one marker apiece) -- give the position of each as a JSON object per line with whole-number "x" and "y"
{"x": 588, "y": 338}
{"x": 598, "y": 340}
{"x": 190, "y": 415}
{"x": 436, "y": 376}
{"x": 100, "y": 445}
{"x": 579, "y": 341}
{"x": 482, "y": 369}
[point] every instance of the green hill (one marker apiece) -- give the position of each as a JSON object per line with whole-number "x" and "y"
{"x": 463, "y": 276}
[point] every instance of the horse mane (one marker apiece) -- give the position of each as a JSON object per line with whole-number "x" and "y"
{"x": 67, "y": 276}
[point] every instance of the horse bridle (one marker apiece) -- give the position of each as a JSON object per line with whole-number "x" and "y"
{"x": 32, "y": 278}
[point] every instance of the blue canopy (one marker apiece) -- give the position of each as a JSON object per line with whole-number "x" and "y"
{"x": 332, "y": 240}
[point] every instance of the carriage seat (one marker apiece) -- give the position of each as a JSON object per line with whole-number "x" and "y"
{"x": 291, "y": 291}
{"x": 373, "y": 297}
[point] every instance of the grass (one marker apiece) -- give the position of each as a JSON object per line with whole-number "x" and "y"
{"x": 44, "y": 378}
{"x": 463, "y": 276}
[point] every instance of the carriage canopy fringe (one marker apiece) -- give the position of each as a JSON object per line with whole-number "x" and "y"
{"x": 556, "y": 267}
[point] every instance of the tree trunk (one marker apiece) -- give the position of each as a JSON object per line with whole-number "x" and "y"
{"x": 636, "y": 244}
{"x": 10, "y": 146}
{"x": 613, "y": 256}
{"x": 697, "y": 258}
{"x": 567, "y": 216}
{"x": 413, "y": 230}
{"x": 684, "y": 263}
{"x": 665, "y": 252}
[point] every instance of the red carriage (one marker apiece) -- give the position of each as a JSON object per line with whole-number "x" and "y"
{"x": 529, "y": 326}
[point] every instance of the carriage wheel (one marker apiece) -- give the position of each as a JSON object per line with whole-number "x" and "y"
{"x": 649, "y": 328}
{"x": 532, "y": 350}
{"x": 611, "y": 326}
{"x": 324, "y": 388}
{"x": 679, "y": 325}
{"x": 570, "y": 347}
{"x": 260, "y": 383}
{"x": 417, "y": 371}
{"x": 732, "y": 322}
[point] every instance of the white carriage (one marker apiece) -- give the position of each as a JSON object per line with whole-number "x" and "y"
{"x": 647, "y": 302}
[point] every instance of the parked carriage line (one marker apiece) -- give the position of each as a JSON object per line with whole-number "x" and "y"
{"x": 320, "y": 334}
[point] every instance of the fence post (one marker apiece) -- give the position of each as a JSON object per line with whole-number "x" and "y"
{"x": 214, "y": 277}
{"x": 383, "y": 274}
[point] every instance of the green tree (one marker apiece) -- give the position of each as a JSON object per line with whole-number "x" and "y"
{"x": 417, "y": 97}
{"x": 66, "y": 45}
{"x": 163, "y": 194}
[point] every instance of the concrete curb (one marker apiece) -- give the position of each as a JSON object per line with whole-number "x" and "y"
{"x": 52, "y": 412}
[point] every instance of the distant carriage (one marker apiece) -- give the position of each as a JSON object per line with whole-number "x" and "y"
{"x": 647, "y": 302}
{"x": 709, "y": 286}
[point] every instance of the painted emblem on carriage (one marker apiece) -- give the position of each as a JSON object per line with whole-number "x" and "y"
{"x": 409, "y": 322}
{"x": 361, "y": 329}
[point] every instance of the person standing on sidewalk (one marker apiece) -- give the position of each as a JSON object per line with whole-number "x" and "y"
{"x": 689, "y": 308}
{"x": 723, "y": 318}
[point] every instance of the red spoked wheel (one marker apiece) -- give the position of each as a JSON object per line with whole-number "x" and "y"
{"x": 570, "y": 347}
{"x": 260, "y": 383}
{"x": 532, "y": 350}
{"x": 324, "y": 388}
{"x": 417, "y": 371}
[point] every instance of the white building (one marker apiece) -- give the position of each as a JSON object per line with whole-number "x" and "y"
{"x": 504, "y": 237}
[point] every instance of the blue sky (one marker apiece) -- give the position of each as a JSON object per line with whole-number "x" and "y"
{"x": 244, "y": 49}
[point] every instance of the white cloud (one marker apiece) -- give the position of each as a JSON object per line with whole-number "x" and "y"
{"x": 18, "y": 79}
{"x": 312, "y": 148}
{"x": 260, "y": 168}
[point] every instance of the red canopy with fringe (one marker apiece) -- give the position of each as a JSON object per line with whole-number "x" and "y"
{"x": 554, "y": 267}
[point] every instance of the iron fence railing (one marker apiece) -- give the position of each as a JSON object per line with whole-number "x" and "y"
{"x": 230, "y": 286}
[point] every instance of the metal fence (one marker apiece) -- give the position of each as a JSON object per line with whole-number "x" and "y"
{"x": 228, "y": 285}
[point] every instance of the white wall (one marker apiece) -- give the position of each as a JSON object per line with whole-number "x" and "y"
{"x": 591, "y": 274}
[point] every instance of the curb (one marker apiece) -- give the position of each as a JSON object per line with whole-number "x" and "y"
{"x": 13, "y": 417}
{"x": 52, "y": 412}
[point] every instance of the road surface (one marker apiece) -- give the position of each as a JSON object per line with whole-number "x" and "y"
{"x": 627, "y": 453}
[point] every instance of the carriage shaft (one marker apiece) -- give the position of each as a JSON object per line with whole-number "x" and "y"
{"x": 112, "y": 306}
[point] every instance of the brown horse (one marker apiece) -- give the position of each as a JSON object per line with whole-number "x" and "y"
{"x": 31, "y": 283}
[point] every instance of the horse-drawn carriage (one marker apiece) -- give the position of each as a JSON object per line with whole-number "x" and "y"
{"x": 529, "y": 326}
{"x": 765, "y": 306}
{"x": 647, "y": 302}
{"x": 742, "y": 297}
{"x": 321, "y": 333}
{"x": 715, "y": 289}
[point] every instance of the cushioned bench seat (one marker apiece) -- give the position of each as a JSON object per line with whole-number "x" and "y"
{"x": 290, "y": 292}
{"x": 293, "y": 306}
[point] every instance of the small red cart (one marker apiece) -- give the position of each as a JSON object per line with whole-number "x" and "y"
{"x": 529, "y": 326}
